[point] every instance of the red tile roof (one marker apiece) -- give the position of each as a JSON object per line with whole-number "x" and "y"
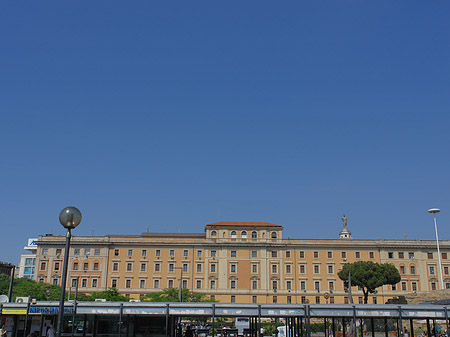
{"x": 243, "y": 224}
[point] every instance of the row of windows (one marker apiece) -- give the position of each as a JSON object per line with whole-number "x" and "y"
{"x": 244, "y": 235}
{"x": 75, "y": 266}
{"x": 234, "y": 253}
{"x": 76, "y": 251}
{"x": 401, "y": 255}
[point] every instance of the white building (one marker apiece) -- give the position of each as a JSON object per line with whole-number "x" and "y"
{"x": 28, "y": 260}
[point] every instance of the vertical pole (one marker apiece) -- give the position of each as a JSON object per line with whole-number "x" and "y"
{"x": 63, "y": 285}
{"x": 74, "y": 306}
{"x": 213, "y": 319}
{"x": 11, "y": 284}
{"x": 333, "y": 327}
{"x": 350, "y": 287}
{"x": 446, "y": 320}
{"x": 428, "y": 327}
{"x": 26, "y": 319}
{"x": 386, "y": 328}
{"x": 401, "y": 320}
{"x": 411, "y": 326}
{"x": 259, "y": 320}
{"x": 439, "y": 254}
{"x": 167, "y": 320}
{"x": 355, "y": 333}
{"x": 120, "y": 319}
{"x": 307, "y": 318}
{"x": 372, "y": 322}
{"x": 180, "y": 294}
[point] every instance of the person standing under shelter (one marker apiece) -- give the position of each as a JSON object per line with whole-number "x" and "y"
{"x": 51, "y": 332}
{"x": 3, "y": 332}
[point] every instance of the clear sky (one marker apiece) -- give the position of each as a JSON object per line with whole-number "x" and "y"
{"x": 175, "y": 114}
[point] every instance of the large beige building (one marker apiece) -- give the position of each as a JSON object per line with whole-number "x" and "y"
{"x": 239, "y": 262}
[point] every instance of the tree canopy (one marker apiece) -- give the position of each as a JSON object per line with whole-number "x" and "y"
{"x": 171, "y": 295}
{"x": 369, "y": 275}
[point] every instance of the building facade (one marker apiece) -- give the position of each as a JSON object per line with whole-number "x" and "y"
{"x": 27, "y": 262}
{"x": 239, "y": 262}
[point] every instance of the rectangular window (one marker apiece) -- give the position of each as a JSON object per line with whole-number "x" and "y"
{"x": 144, "y": 252}
{"x": 390, "y": 255}
{"x": 55, "y": 281}
{"x": 274, "y": 269}
{"x": 75, "y": 266}
{"x": 275, "y": 300}
{"x": 184, "y": 284}
{"x": 213, "y": 268}
{"x": 302, "y": 254}
{"x": 357, "y": 255}
{"x": 288, "y": 254}
{"x": 330, "y": 255}
{"x": 172, "y": 253}
{"x": 212, "y": 284}
{"x": 317, "y": 299}
{"x": 274, "y": 253}
{"x": 288, "y": 269}
{"x": 303, "y": 299}
{"x": 129, "y": 266}
{"x": 185, "y": 253}
{"x": 156, "y": 284}
{"x": 128, "y": 284}
{"x": 199, "y": 253}
{"x": 403, "y": 286}
{"x": 371, "y": 255}
{"x": 344, "y": 255}
{"x": 254, "y": 253}
{"x": 254, "y": 268}
{"x": 302, "y": 269}
{"x": 254, "y": 299}
{"x": 170, "y": 284}
{"x": 84, "y": 283}
{"x": 302, "y": 285}
{"x": 157, "y": 267}
{"x": 233, "y": 268}
{"x": 143, "y": 267}
{"x": 130, "y": 252}
{"x": 56, "y": 266}
{"x": 94, "y": 283}
{"x": 233, "y": 284}
{"x": 374, "y": 300}
{"x": 87, "y": 251}
{"x": 274, "y": 284}
{"x": 401, "y": 255}
{"x": 445, "y": 270}
{"x": 199, "y": 267}
{"x": 430, "y": 256}
{"x": 198, "y": 284}
{"x": 254, "y": 284}
{"x": 288, "y": 285}
{"x": 316, "y": 269}
{"x": 330, "y": 269}
{"x": 158, "y": 253}
{"x": 360, "y": 300}
{"x": 411, "y": 255}
{"x": 316, "y": 255}
{"x": 433, "y": 285}
{"x": 76, "y": 251}
{"x": 43, "y": 266}
{"x": 289, "y": 300}
{"x": 317, "y": 285}
{"x": 97, "y": 251}
{"x": 444, "y": 256}
{"x": 86, "y": 266}
{"x": 233, "y": 299}
{"x": 414, "y": 286}
{"x": 114, "y": 283}
{"x": 331, "y": 285}
{"x": 213, "y": 253}
{"x": 394, "y": 287}
{"x": 58, "y": 251}
{"x": 142, "y": 284}
{"x": 402, "y": 269}
{"x": 233, "y": 253}
{"x": 431, "y": 270}
{"x": 171, "y": 267}
{"x": 185, "y": 267}
{"x": 116, "y": 252}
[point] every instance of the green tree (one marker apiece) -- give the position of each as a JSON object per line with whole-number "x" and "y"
{"x": 112, "y": 294}
{"x": 369, "y": 275}
{"x": 171, "y": 295}
{"x": 24, "y": 287}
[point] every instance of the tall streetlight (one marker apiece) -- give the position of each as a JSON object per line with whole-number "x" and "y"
{"x": 180, "y": 293}
{"x": 70, "y": 217}
{"x": 434, "y": 211}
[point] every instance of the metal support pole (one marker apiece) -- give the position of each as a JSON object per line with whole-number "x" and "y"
{"x": 259, "y": 320}
{"x": 401, "y": 320}
{"x": 446, "y": 319}
{"x": 213, "y": 319}
{"x": 439, "y": 253}
{"x": 386, "y": 328}
{"x": 11, "y": 284}
{"x": 308, "y": 322}
{"x": 354, "y": 322}
{"x": 167, "y": 320}
{"x": 26, "y": 319}
{"x": 180, "y": 293}
{"x": 63, "y": 285}
{"x": 120, "y": 319}
{"x": 411, "y": 326}
{"x": 74, "y": 306}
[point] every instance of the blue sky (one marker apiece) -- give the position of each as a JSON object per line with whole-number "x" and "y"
{"x": 175, "y": 114}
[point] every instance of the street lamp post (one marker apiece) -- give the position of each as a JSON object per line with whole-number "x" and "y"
{"x": 70, "y": 217}
{"x": 180, "y": 293}
{"x": 434, "y": 211}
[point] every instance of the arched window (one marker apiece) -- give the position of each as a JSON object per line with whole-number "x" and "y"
{"x": 233, "y": 234}
{"x": 213, "y": 233}
{"x": 254, "y": 235}
{"x": 244, "y": 235}
{"x": 274, "y": 235}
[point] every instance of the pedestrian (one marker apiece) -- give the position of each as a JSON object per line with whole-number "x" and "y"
{"x": 188, "y": 332}
{"x": 3, "y": 331}
{"x": 51, "y": 332}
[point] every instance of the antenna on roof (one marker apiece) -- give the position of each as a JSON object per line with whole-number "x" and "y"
{"x": 148, "y": 226}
